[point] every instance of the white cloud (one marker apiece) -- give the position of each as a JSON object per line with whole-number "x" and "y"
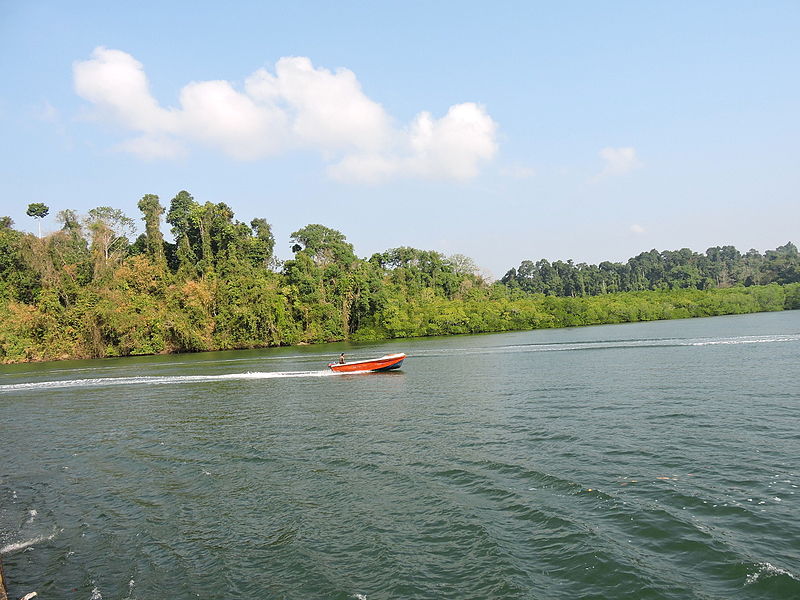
{"x": 116, "y": 84}
{"x": 638, "y": 229}
{"x": 215, "y": 114}
{"x": 451, "y": 147}
{"x": 619, "y": 161}
{"x": 298, "y": 107}
{"x": 455, "y": 143}
{"x": 328, "y": 110}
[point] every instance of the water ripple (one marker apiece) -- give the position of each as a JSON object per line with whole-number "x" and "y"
{"x": 650, "y": 461}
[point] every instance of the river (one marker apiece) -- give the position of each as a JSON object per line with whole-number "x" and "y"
{"x": 648, "y": 460}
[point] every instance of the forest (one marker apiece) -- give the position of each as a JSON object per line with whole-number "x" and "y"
{"x": 719, "y": 267}
{"x": 93, "y": 289}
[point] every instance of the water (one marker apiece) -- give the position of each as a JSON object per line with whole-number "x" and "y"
{"x": 652, "y": 460}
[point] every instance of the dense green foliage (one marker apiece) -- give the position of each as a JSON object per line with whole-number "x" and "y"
{"x": 88, "y": 291}
{"x": 499, "y": 309}
{"x": 721, "y": 266}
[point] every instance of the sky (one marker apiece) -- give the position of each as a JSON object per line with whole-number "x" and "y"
{"x": 503, "y": 131}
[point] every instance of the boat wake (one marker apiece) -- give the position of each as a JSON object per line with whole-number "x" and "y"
{"x": 623, "y": 344}
{"x": 749, "y": 339}
{"x": 159, "y": 380}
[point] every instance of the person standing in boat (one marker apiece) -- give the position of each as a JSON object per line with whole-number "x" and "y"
{"x": 341, "y": 358}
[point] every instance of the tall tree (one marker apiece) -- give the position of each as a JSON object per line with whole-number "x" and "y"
{"x": 38, "y": 211}
{"x": 263, "y": 247}
{"x": 18, "y": 280}
{"x": 323, "y": 244}
{"x": 108, "y": 228}
{"x": 321, "y": 276}
{"x": 182, "y": 216}
{"x": 68, "y": 246}
{"x": 152, "y": 210}
{"x": 463, "y": 265}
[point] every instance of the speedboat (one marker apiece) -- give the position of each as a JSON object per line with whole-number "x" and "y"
{"x": 384, "y": 363}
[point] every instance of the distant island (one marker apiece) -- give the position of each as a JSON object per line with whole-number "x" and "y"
{"x": 88, "y": 291}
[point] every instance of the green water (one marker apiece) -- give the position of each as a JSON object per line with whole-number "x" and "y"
{"x": 652, "y": 460}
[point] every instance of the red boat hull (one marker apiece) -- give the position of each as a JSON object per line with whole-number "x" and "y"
{"x": 384, "y": 363}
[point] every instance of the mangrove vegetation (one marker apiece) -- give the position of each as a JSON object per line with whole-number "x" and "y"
{"x": 93, "y": 289}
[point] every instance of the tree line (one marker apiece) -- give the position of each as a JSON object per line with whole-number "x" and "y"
{"x": 719, "y": 267}
{"x": 92, "y": 289}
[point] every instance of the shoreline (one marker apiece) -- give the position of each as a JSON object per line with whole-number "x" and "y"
{"x": 377, "y": 340}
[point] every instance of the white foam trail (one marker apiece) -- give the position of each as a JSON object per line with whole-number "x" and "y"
{"x": 767, "y": 339}
{"x": 22, "y": 545}
{"x": 160, "y": 380}
{"x": 612, "y": 344}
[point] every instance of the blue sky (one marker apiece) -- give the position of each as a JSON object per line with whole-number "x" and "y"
{"x": 504, "y": 131}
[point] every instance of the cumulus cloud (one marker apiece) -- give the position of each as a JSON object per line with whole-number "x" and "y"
{"x": 116, "y": 84}
{"x": 326, "y": 110}
{"x": 619, "y": 161}
{"x": 638, "y": 229}
{"x": 299, "y": 106}
{"x": 451, "y": 147}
